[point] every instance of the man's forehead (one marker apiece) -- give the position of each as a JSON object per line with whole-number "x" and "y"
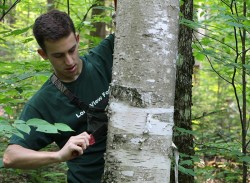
{"x": 62, "y": 45}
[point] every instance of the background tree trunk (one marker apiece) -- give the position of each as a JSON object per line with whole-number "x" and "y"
{"x": 142, "y": 92}
{"x": 100, "y": 27}
{"x": 50, "y": 5}
{"x": 183, "y": 93}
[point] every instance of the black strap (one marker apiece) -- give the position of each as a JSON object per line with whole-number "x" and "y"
{"x": 94, "y": 115}
{"x": 75, "y": 100}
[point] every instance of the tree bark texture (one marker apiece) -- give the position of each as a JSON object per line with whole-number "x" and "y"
{"x": 142, "y": 92}
{"x": 183, "y": 92}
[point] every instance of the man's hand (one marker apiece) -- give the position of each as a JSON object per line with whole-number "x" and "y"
{"x": 75, "y": 146}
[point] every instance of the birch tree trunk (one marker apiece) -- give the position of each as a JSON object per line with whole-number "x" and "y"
{"x": 142, "y": 92}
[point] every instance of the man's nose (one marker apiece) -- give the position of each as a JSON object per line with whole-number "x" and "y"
{"x": 68, "y": 59}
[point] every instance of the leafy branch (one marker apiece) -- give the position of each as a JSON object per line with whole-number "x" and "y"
{"x": 205, "y": 114}
{"x": 5, "y": 13}
{"x": 19, "y": 127}
{"x": 210, "y": 62}
{"x": 239, "y": 29}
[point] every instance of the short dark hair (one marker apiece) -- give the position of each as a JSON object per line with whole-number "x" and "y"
{"x": 52, "y": 26}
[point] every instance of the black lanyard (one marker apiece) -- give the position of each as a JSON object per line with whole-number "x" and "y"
{"x": 96, "y": 117}
{"x": 74, "y": 99}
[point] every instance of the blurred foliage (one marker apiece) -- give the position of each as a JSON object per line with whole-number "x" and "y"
{"x": 218, "y": 46}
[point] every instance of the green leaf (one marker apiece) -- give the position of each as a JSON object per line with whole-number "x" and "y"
{"x": 26, "y": 75}
{"x": 17, "y": 133}
{"x": 18, "y": 31}
{"x": 189, "y": 23}
{"x": 181, "y": 2}
{"x": 199, "y": 56}
{"x": 63, "y": 127}
{"x": 1, "y": 163}
{"x": 184, "y": 130}
{"x": 103, "y": 8}
{"x": 186, "y": 171}
{"x": 247, "y": 66}
{"x": 5, "y": 126}
{"x": 245, "y": 159}
{"x": 195, "y": 158}
{"x": 235, "y": 24}
{"x": 246, "y": 24}
{"x": 9, "y": 110}
{"x": 22, "y": 126}
{"x": 4, "y": 7}
{"x": 236, "y": 153}
{"x": 42, "y": 125}
{"x": 186, "y": 162}
{"x": 27, "y": 40}
{"x": 4, "y": 32}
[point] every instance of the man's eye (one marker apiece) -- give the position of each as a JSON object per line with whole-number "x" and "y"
{"x": 72, "y": 50}
{"x": 58, "y": 55}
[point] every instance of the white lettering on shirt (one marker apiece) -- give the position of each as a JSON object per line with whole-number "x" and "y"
{"x": 94, "y": 103}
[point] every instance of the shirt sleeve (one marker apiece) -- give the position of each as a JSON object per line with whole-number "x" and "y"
{"x": 34, "y": 140}
{"x": 103, "y": 53}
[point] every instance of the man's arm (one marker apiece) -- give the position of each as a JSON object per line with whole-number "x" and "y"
{"x": 17, "y": 156}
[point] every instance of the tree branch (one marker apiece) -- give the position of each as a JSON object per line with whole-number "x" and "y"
{"x": 68, "y": 7}
{"x": 5, "y": 13}
{"x": 214, "y": 147}
{"x": 214, "y": 39}
{"x": 235, "y": 70}
{"x": 247, "y": 144}
{"x": 225, "y": 3}
{"x": 86, "y": 14}
{"x": 210, "y": 62}
{"x": 208, "y": 114}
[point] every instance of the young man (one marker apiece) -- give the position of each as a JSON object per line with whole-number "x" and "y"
{"x": 88, "y": 78}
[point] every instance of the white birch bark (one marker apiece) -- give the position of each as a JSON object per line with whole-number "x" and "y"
{"x": 142, "y": 92}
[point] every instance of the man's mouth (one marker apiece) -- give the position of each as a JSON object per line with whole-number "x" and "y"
{"x": 71, "y": 69}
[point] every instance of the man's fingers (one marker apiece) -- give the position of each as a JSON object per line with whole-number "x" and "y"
{"x": 85, "y": 134}
{"x": 77, "y": 151}
{"x": 81, "y": 140}
{"x": 75, "y": 146}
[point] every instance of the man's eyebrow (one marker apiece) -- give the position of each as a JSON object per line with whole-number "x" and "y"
{"x": 73, "y": 47}
{"x": 58, "y": 53}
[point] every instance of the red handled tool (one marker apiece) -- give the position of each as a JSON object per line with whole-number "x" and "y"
{"x": 97, "y": 134}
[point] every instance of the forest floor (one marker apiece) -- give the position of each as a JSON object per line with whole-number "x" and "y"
{"x": 48, "y": 174}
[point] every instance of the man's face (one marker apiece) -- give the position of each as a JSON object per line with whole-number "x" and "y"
{"x": 64, "y": 57}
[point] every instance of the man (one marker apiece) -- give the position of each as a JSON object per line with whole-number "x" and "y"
{"x": 88, "y": 78}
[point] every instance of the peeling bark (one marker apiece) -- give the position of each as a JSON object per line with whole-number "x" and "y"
{"x": 142, "y": 92}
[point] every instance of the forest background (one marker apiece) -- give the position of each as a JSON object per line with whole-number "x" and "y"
{"x": 220, "y": 110}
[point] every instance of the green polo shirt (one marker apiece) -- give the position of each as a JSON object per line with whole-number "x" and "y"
{"x": 92, "y": 87}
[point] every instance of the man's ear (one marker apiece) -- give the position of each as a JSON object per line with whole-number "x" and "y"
{"x": 42, "y": 54}
{"x": 77, "y": 38}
